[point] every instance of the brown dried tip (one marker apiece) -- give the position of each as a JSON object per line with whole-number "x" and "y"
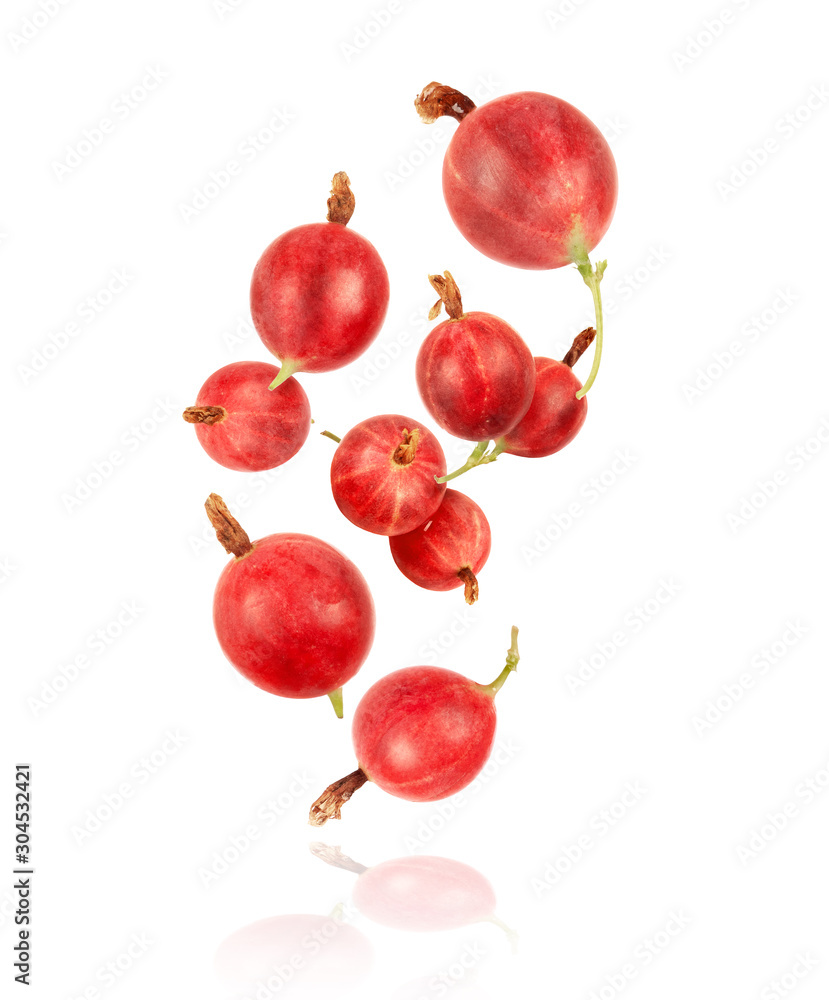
{"x": 450, "y": 296}
{"x": 230, "y": 533}
{"x": 435, "y": 101}
{"x": 405, "y": 452}
{"x": 470, "y": 584}
{"x": 204, "y": 414}
{"x": 580, "y": 345}
{"x": 334, "y": 797}
{"x": 341, "y": 203}
{"x": 335, "y": 857}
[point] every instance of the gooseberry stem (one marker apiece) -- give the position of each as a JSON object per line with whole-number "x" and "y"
{"x": 334, "y": 797}
{"x": 328, "y": 434}
{"x": 286, "y": 370}
{"x": 592, "y": 278}
{"x": 479, "y": 456}
{"x": 337, "y": 701}
{"x": 512, "y": 664}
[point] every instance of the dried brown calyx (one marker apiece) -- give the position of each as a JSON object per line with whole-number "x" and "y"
{"x": 204, "y": 414}
{"x": 580, "y": 344}
{"x": 329, "y": 804}
{"x": 404, "y": 453}
{"x": 341, "y": 203}
{"x": 436, "y": 101}
{"x": 470, "y": 584}
{"x": 450, "y": 296}
{"x": 230, "y": 533}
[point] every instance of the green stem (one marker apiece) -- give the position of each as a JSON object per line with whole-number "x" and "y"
{"x": 286, "y": 370}
{"x": 337, "y": 701}
{"x": 479, "y": 456}
{"x": 328, "y": 434}
{"x": 511, "y": 935}
{"x": 592, "y": 278}
{"x": 512, "y": 664}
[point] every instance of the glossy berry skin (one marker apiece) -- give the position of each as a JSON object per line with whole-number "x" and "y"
{"x": 294, "y": 616}
{"x": 476, "y": 376}
{"x": 454, "y": 538}
{"x": 320, "y": 952}
{"x": 555, "y": 415}
{"x": 319, "y": 296}
{"x": 527, "y": 177}
{"x": 424, "y": 893}
{"x": 259, "y": 429}
{"x": 423, "y": 733}
{"x": 379, "y": 492}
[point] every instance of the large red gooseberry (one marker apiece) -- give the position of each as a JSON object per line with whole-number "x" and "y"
{"x": 291, "y": 612}
{"x": 383, "y": 474}
{"x": 421, "y": 733}
{"x": 319, "y": 292}
{"x": 243, "y": 426}
{"x": 448, "y": 550}
{"x": 528, "y": 179}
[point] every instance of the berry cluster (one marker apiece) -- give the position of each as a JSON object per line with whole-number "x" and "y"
{"x": 530, "y": 182}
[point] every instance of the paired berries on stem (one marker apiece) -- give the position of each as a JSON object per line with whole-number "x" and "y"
{"x": 529, "y": 181}
{"x": 421, "y": 733}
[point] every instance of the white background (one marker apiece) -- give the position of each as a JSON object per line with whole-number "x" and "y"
{"x": 703, "y": 241}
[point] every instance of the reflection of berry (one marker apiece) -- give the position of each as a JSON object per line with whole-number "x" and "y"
{"x": 308, "y": 951}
